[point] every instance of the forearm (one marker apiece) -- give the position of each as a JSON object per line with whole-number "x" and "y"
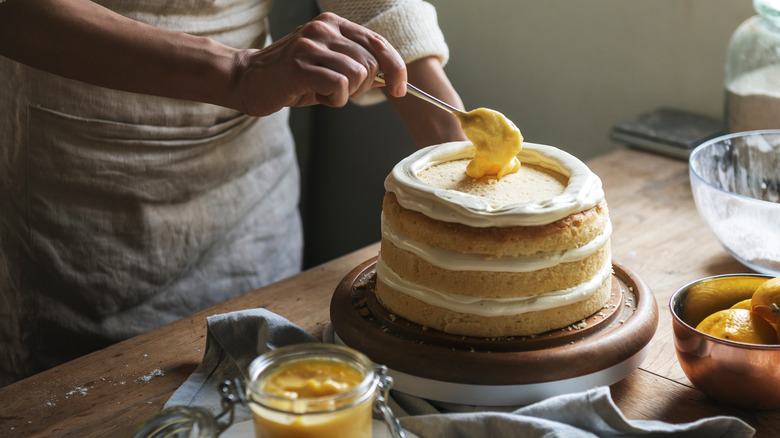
{"x": 426, "y": 123}
{"x": 82, "y": 40}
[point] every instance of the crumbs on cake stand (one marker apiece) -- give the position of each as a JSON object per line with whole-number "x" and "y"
{"x": 363, "y": 281}
{"x": 576, "y": 326}
{"x": 503, "y": 338}
{"x": 363, "y": 308}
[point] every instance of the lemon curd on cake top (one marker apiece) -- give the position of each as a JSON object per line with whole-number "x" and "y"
{"x": 513, "y": 256}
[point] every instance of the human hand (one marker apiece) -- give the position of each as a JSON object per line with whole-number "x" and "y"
{"x": 325, "y": 61}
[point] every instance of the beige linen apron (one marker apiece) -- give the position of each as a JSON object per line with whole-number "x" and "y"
{"x": 121, "y": 212}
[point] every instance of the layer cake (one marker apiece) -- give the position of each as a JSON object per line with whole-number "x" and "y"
{"x": 513, "y": 256}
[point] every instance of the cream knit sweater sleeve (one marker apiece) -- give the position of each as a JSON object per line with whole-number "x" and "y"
{"x": 411, "y": 26}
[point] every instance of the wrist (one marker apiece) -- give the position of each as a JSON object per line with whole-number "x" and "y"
{"x": 426, "y": 123}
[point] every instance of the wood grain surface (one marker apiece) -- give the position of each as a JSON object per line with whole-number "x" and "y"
{"x": 657, "y": 234}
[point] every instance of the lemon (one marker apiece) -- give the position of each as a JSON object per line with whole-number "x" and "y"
{"x": 766, "y": 300}
{"x": 739, "y": 325}
{"x": 714, "y": 294}
{"x": 744, "y": 304}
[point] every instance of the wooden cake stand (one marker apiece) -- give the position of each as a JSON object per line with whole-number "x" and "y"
{"x": 507, "y": 371}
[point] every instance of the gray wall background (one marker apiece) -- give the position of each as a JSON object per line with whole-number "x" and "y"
{"x": 565, "y": 71}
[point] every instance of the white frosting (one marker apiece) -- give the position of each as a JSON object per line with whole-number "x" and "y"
{"x": 456, "y": 261}
{"x": 583, "y": 191}
{"x": 489, "y": 307}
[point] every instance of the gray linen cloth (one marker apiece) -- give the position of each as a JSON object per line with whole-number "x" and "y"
{"x": 235, "y": 339}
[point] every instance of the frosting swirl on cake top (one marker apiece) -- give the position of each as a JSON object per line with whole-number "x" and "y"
{"x": 582, "y": 189}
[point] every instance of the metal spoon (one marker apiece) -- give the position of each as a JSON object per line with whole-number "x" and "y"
{"x": 414, "y": 91}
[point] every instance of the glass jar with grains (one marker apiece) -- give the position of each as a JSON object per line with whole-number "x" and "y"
{"x": 753, "y": 71}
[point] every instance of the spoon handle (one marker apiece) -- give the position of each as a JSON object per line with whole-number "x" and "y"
{"x": 414, "y": 91}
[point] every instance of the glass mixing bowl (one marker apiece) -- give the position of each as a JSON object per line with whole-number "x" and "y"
{"x": 735, "y": 181}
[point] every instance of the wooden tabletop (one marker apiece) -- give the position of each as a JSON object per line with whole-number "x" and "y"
{"x": 657, "y": 234}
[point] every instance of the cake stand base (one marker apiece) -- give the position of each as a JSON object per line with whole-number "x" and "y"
{"x": 508, "y": 371}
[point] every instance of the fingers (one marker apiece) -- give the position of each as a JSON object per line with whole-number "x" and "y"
{"x": 325, "y": 61}
{"x": 381, "y": 53}
{"x": 337, "y": 63}
{"x": 330, "y": 88}
{"x": 354, "y": 52}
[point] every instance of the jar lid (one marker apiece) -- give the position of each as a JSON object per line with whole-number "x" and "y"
{"x": 768, "y": 8}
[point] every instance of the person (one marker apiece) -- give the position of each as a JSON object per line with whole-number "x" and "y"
{"x": 147, "y": 170}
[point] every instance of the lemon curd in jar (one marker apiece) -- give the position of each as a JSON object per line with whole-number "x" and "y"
{"x": 317, "y": 393}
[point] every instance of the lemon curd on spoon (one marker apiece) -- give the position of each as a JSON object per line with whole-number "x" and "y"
{"x": 496, "y": 139}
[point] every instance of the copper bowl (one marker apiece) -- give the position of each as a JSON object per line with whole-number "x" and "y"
{"x": 734, "y": 373}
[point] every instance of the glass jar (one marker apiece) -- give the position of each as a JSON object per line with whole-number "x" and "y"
{"x": 177, "y": 422}
{"x": 753, "y": 71}
{"x": 343, "y": 412}
{"x": 317, "y": 390}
